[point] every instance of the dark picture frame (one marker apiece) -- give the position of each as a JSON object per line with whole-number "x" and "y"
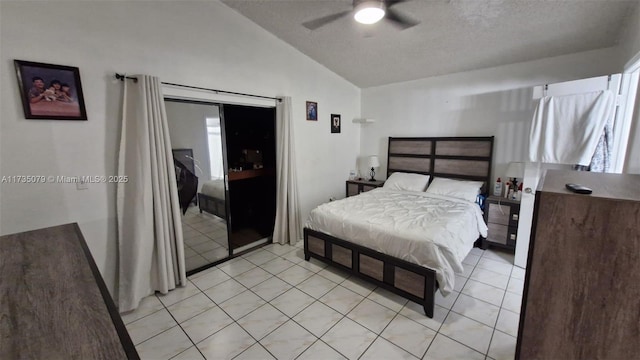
{"x": 48, "y": 91}
{"x": 312, "y": 111}
{"x": 335, "y": 123}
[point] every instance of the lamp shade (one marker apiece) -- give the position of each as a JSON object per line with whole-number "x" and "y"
{"x": 369, "y": 12}
{"x": 373, "y": 161}
{"x": 515, "y": 170}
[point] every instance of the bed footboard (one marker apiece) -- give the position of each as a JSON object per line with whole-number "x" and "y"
{"x": 212, "y": 205}
{"x": 408, "y": 280}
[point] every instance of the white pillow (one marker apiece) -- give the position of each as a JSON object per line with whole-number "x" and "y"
{"x": 406, "y": 181}
{"x": 461, "y": 189}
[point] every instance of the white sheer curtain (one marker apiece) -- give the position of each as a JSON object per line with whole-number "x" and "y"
{"x": 288, "y": 227}
{"x": 150, "y": 244}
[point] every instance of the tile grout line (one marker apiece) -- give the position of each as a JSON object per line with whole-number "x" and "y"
{"x": 165, "y": 307}
{"x": 343, "y": 316}
{"x": 396, "y": 315}
{"x": 203, "y": 234}
{"x": 181, "y": 328}
{"x": 234, "y": 321}
{"x": 289, "y": 318}
{"x": 318, "y": 338}
{"x": 451, "y": 310}
{"x": 377, "y": 335}
{"x": 266, "y": 302}
{"x": 498, "y": 317}
{"x": 218, "y": 305}
{"x": 445, "y": 319}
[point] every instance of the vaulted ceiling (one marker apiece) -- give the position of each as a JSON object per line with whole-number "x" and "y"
{"x": 452, "y": 36}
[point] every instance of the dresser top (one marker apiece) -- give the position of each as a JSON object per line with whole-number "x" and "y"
{"x": 53, "y": 301}
{"x": 611, "y": 186}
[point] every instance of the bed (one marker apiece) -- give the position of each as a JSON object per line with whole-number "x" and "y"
{"x": 211, "y": 198}
{"x": 339, "y": 239}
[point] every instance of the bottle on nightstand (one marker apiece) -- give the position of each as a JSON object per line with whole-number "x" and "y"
{"x": 497, "y": 188}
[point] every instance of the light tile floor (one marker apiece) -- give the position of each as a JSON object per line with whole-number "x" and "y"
{"x": 205, "y": 238}
{"x": 271, "y": 303}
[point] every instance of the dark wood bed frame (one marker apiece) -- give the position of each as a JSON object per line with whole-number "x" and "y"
{"x": 465, "y": 158}
{"x": 212, "y": 205}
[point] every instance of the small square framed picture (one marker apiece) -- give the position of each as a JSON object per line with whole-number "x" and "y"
{"x": 50, "y": 91}
{"x": 312, "y": 111}
{"x": 335, "y": 123}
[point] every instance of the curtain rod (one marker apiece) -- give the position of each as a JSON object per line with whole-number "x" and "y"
{"x": 123, "y": 77}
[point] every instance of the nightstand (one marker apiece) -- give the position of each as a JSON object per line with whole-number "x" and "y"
{"x": 355, "y": 187}
{"x": 501, "y": 215}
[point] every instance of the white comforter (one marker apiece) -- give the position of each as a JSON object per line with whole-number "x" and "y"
{"x": 425, "y": 229}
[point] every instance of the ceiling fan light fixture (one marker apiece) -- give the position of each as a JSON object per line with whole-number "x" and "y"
{"x": 369, "y": 12}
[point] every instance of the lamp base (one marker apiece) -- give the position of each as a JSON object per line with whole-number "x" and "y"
{"x": 373, "y": 174}
{"x": 514, "y": 184}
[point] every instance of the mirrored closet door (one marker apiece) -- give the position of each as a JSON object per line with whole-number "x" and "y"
{"x": 225, "y": 161}
{"x": 196, "y": 132}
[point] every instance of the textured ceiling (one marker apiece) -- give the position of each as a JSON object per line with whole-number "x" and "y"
{"x": 453, "y": 35}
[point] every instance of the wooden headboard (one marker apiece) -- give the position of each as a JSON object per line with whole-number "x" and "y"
{"x": 465, "y": 158}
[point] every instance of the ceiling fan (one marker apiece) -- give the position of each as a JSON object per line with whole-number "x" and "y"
{"x": 367, "y": 12}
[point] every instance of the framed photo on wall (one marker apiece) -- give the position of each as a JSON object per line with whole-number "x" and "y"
{"x": 312, "y": 111}
{"x": 335, "y": 123}
{"x": 50, "y": 91}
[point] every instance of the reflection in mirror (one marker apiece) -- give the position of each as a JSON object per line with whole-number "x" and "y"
{"x": 196, "y": 140}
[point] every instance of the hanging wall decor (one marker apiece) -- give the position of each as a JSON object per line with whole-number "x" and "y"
{"x": 335, "y": 123}
{"x": 50, "y": 91}
{"x": 312, "y": 111}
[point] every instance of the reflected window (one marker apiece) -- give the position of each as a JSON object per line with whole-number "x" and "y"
{"x": 214, "y": 140}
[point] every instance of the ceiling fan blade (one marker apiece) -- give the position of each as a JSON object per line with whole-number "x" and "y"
{"x": 400, "y": 21}
{"x": 314, "y": 24}
{"x": 390, "y": 3}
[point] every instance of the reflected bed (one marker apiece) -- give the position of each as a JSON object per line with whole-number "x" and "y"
{"x": 211, "y": 198}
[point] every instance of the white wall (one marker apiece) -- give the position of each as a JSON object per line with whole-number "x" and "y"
{"x": 196, "y": 43}
{"x": 630, "y": 42}
{"x": 632, "y": 162}
{"x": 630, "y": 49}
{"x": 495, "y": 101}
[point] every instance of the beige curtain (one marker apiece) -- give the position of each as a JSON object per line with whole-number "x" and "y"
{"x": 150, "y": 244}
{"x": 288, "y": 227}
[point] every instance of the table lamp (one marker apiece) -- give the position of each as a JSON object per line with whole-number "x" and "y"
{"x": 373, "y": 163}
{"x": 514, "y": 171}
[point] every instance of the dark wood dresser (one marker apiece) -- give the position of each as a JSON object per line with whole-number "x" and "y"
{"x": 53, "y": 301}
{"x": 581, "y": 295}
